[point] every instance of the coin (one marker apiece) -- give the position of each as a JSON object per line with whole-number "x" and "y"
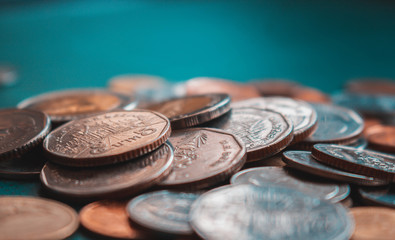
{"x": 193, "y": 110}
{"x": 135, "y": 83}
{"x": 25, "y": 167}
{"x": 262, "y": 176}
{"x": 347, "y": 203}
{"x": 246, "y": 211}
{"x": 36, "y": 218}
{"x": 163, "y": 211}
{"x": 118, "y": 180}
{"x": 275, "y": 160}
{"x": 382, "y": 138}
{"x": 203, "y": 157}
{"x": 373, "y": 223}
{"x": 310, "y": 95}
{"x": 21, "y": 131}
{"x": 303, "y": 161}
{"x": 107, "y": 138}
{"x": 384, "y": 196}
{"x": 369, "y": 163}
{"x": 67, "y": 105}
{"x": 110, "y": 219}
{"x": 264, "y": 132}
{"x": 360, "y": 143}
{"x": 303, "y": 116}
{"x": 371, "y": 86}
{"x": 274, "y": 87}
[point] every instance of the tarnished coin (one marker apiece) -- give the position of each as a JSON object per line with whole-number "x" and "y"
{"x": 107, "y": 138}
{"x": 382, "y": 138}
{"x": 204, "y": 157}
{"x": 118, "y": 180}
{"x": 246, "y": 211}
{"x": 371, "y": 86}
{"x": 277, "y": 175}
{"x": 36, "y": 218}
{"x": 193, "y": 110}
{"x": 303, "y": 116}
{"x": 369, "y": 163}
{"x": 163, "y": 211}
{"x": 264, "y": 132}
{"x": 67, "y": 105}
{"x": 303, "y": 161}
{"x": 110, "y": 219}
{"x": 373, "y": 223}
{"x": 21, "y": 131}
{"x": 25, "y": 167}
{"x": 384, "y": 196}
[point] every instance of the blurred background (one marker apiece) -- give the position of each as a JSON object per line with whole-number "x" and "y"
{"x": 71, "y": 44}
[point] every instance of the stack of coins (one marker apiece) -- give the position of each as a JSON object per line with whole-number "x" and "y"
{"x": 268, "y": 159}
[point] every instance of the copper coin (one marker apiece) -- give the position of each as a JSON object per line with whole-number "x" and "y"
{"x": 21, "y": 131}
{"x": 310, "y": 95}
{"x": 371, "y": 86}
{"x": 303, "y": 116}
{"x": 382, "y": 138}
{"x": 264, "y": 132}
{"x": 110, "y": 219}
{"x": 163, "y": 211}
{"x": 25, "y": 167}
{"x": 134, "y": 83}
{"x": 67, "y": 105}
{"x": 36, "y": 218}
{"x": 383, "y": 196}
{"x": 204, "y": 157}
{"x": 303, "y": 161}
{"x": 193, "y": 110}
{"x": 369, "y": 163}
{"x": 274, "y": 87}
{"x": 373, "y": 223}
{"x": 369, "y": 123}
{"x": 118, "y": 180}
{"x": 107, "y": 138}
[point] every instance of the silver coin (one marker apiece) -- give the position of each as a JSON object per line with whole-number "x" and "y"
{"x": 246, "y": 212}
{"x": 361, "y": 144}
{"x": 163, "y": 211}
{"x": 384, "y": 196}
{"x": 276, "y": 175}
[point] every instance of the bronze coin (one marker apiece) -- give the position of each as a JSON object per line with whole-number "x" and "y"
{"x": 67, "y": 105}
{"x": 373, "y": 223}
{"x": 371, "y": 86}
{"x": 134, "y": 83}
{"x": 369, "y": 123}
{"x": 107, "y": 138}
{"x": 25, "y": 167}
{"x": 193, "y": 110}
{"x": 382, "y": 138}
{"x": 21, "y": 131}
{"x": 274, "y": 87}
{"x": 36, "y": 218}
{"x": 310, "y": 95}
{"x": 118, "y": 180}
{"x": 204, "y": 157}
{"x": 383, "y": 196}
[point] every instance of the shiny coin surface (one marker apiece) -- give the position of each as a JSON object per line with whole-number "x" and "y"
{"x": 264, "y": 132}
{"x": 303, "y": 161}
{"x": 26, "y": 167}
{"x": 63, "y": 106}
{"x": 193, "y": 110}
{"x": 163, "y": 211}
{"x": 113, "y": 181}
{"x": 107, "y": 138}
{"x": 36, "y": 218}
{"x": 246, "y": 211}
{"x": 384, "y": 196}
{"x": 303, "y": 116}
{"x": 382, "y": 138}
{"x": 369, "y": 163}
{"x": 204, "y": 157}
{"x": 277, "y": 175}
{"x": 373, "y": 223}
{"x": 21, "y": 131}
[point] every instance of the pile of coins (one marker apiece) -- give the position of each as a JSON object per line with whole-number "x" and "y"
{"x": 209, "y": 158}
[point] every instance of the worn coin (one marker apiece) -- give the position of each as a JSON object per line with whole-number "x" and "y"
{"x": 382, "y": 138}
{"x": 303, "y": 161}
{"x": 107, "y": 138}
{"x": 25, "y": 167}
{"x": 245, "y": 211}
{"x": 384, "y": 196}
{"x": 163, "y": 211}
{"x": 35, "y": 218}
{"x": 262, "y": 176}
{"x": 118, "y": 180}
{"x": 193, "y": 110}
{"x": 204, "y": 157}
{"x": 21, "y": 131}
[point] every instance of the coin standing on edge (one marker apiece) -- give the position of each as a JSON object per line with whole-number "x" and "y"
{"x": 384, "y": 196}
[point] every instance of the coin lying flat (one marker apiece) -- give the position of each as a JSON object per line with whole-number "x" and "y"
{"x": 311, "y": 95}
{"x": 384, "y": 196}
{"x": 274, "y": 87}
{"x": 203, "y": 157}
{"x": 382, "y": 138}
{"x": 67, "y": 105}
{"x": 369, "y": 163}
{"x": 303, "y": 161}
{"x": 277, "y": 175}
{"x": 107, "y": 138}
{"x": 118, "y": 180}
{"x": 360, "y": 143}
{"x": 163, "y": 211}
{"x": 134, "y": 83}
{"x": 246, "y": 211}
{"x": 371, "y": 86}
{"x": 373, "y": 223}
{"x": 36, "y": 218}
{"x": 21, "y": 131}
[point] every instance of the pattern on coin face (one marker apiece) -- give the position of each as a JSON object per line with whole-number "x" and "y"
{"x": 246, "y": 211}
{"x": 163, "y": 211}
{"x": 379, "y": 196}
{"x": 108, "y": 137}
